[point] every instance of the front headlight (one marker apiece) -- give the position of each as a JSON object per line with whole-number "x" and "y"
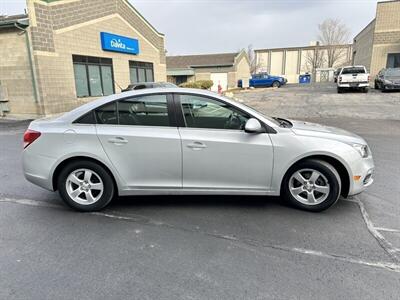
{"x": 362, "y": 149}
{"x": 388, "y": 81}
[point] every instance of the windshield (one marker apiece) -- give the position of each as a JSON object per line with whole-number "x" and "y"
{"x": 393, "y": 72}
{"x": 354, "y": 70}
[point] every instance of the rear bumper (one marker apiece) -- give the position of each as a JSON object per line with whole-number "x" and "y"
{"x": 37, "y": 169}
{"x": 353, "y": 85}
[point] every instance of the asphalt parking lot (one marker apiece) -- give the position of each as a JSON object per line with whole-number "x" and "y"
{"x": 213, "y": 247}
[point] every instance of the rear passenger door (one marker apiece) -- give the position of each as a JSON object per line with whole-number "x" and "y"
{"x": 142, "y": 141}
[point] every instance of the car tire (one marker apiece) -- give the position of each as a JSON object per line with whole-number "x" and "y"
{"x": 85, "y": 186}
{"x": 365, "y": 90}
{"x": 339, "y": 90}
{"x": 276, "y": 84}
{"x": 320, "y": 189}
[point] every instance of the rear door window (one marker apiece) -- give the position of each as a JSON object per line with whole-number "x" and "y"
{"x": 151, "y": 110}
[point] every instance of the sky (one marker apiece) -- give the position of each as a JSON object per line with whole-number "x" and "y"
{"x": 211, "y": 26}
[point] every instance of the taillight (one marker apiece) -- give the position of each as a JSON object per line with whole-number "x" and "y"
{"x": 340, "y": 78}
{"x": 30, "y": 136}
{"x": 369, "y": 77}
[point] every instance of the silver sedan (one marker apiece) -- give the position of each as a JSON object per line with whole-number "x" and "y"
{"x": 185, "y": 141}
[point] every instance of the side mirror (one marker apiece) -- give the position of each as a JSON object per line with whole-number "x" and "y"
{"x": 253, "y": 126}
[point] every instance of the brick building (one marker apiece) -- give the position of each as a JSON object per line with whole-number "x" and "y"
{"x": 63, "y": 53}
{"x": 377, "y": 46}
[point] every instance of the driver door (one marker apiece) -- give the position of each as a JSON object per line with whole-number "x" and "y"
{"x": 217, "y": 153}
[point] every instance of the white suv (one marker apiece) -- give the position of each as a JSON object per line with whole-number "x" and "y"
{"x": 353, "y": 77}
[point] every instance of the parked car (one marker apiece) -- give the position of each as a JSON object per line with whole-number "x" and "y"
{"x": 148, "y": 85}
{"x": 264, "y": 80}
{"x": 353, "y": 77}
{"x": 388, "y": 79}
{"x": 336, "y": 74}
{"x": 189, "y": 141}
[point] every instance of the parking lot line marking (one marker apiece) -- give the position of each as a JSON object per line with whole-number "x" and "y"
{"x": 388, "y": 266}
{"x": 385, "y": 244}
{"x": 30, "y": 202}
{"x": 387, "y": 229}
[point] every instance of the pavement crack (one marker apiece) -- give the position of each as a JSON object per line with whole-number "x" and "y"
{"x": 382, "y": 241}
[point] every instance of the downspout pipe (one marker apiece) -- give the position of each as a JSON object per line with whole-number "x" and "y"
{"x": 31, "y": 65}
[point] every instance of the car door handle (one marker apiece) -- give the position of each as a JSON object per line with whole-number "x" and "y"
{"x": 118, "y": 141}
{"x": 196, "y": 146}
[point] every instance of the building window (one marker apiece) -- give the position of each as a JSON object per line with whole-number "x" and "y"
{"x": 93, "y": 76}
{"x": 180, "y": 79}
{"x": 141, "y": 71}
{"x": 393, "y": 60}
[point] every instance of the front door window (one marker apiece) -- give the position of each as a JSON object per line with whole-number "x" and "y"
{"x": 202, "y": 112}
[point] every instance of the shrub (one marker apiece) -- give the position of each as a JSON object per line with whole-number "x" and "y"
{"x": 199, "y": 84}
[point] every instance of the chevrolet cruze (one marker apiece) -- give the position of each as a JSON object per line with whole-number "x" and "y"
{"x": 185, "y": 141}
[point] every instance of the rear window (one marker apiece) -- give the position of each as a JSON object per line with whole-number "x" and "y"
{"x": 355, "y": 70}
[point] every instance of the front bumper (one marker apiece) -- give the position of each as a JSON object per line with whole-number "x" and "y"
{"x": 362, "y": 175}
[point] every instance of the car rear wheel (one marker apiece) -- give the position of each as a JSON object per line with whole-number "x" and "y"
{"x": 85, "y": 186}
{"x": 311, "y": 185}
{"x": 276, "y": 84}
{"x": 339, "y": 90}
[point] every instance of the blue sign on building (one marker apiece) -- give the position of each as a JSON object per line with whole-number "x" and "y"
{"x": 118, "y": 43}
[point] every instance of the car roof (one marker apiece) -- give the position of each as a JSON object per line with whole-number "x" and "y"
{"x": 74, "y": 114}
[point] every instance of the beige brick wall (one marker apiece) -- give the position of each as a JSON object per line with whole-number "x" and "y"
{"x": 388, "y": 16}
{"x": 362, "y": 47}
{"x": 276, "y": 62}
{"x": 242, "y": 71}
{"x": 56, "y": 68}
{"x": 203, "y": 76}
{"x": 387, "y": 34}
{"x": 15, "y": 73}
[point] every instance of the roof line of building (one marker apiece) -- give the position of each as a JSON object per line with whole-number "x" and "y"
{"x": 10, "y": 21}
{"x": 362, "y": 30}
{"x": 301, "y": 48}
{"x": 207, "y": 54}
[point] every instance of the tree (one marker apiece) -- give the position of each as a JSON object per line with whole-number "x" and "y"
{"x": 252, "y": 59}
{"x": 333, "y": 34}
{"x": 315, "y": 59}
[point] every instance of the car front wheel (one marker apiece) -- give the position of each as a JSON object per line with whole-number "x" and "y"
{"x": 276, "y": 84}
{"x": 311, "y": 185}
{"x": 85, "y": 186}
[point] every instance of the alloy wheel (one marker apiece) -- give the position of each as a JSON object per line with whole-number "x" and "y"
{"x": 309, "y": 186}
{"x": 84, "y": 186}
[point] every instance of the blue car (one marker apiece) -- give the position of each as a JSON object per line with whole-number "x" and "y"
{"x": 264, "y": 80}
